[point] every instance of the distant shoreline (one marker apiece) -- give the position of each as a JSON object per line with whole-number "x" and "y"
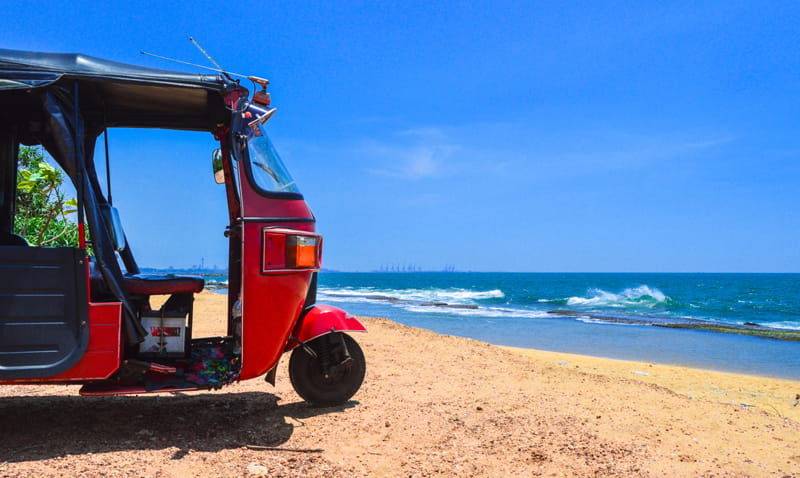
{"x": 700, "y": 320}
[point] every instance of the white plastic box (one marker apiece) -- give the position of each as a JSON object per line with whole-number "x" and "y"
{"x": 166, "y": 336}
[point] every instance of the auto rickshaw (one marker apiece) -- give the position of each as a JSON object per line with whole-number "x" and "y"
{"x": 83, "y": 314}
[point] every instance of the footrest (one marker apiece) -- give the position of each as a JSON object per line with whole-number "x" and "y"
{"x": 105, "y": 389}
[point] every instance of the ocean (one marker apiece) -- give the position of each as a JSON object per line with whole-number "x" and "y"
{"x": 665, "y": 318}
{"x": 654, "y": 317}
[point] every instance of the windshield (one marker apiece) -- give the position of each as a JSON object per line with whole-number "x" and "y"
{"x": 269, "y": 173}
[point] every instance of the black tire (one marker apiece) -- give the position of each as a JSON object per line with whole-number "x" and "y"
{"x": 308, "y": 380}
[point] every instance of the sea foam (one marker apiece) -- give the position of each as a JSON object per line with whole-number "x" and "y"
{"x": 489, "y": 312}
{"x": 454, "y": 295}
{"x": 642, "y": 296}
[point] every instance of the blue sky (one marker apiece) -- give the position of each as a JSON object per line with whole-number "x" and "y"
{"x": 513, "y": 136}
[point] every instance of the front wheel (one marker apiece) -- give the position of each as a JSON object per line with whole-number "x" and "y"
{"x": 332, "y": 374}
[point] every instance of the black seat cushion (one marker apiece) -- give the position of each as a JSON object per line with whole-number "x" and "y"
{"x": 163, "y": 284}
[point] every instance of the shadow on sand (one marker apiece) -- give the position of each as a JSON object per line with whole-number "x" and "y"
{"x": 42, "y": 427}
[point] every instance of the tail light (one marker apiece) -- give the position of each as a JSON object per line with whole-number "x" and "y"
{"x": 301, "y": 252}
{"x": 288, "y": 249}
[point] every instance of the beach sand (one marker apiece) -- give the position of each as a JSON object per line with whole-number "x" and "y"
{"x": 431, "y": 405}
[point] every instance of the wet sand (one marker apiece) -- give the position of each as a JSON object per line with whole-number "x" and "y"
{"x": 431, "y": 405}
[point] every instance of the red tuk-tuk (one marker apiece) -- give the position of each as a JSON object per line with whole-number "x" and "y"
{"x": 83, "y": 314}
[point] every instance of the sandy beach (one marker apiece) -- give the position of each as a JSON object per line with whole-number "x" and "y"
{"x": 431, "y": 405}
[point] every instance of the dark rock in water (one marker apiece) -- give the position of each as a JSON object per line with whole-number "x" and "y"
{"x": 462, "y": 306}
{"x": 445, "y": 304}
{"x": 414, "y": 302}
{"x": 748, "y": 328}
{"x": 373, "y": 297}
{"x": 565, "y": 313}
{"x": 764, "y": 332}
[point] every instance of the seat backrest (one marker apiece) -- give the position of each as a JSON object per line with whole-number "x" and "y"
{"x": 10, "y": 239}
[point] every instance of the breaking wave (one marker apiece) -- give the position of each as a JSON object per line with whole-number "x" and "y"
{"x": 453, "y": 301}
{"x": 213, "y": 284}
{"x": 633, "y": 298}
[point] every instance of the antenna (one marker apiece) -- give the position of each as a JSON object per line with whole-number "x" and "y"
{"x": 222, "y": 70}
{"x": 227, "y": 73}
{"x": 207, "y": 55}
{"x": 260, "y": 96}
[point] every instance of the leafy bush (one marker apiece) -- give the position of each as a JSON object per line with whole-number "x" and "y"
{"x": 42, "y": 207}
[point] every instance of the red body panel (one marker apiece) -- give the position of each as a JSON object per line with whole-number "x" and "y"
{"x": 324, "y": 319}
{"x": 271, "y": 304}
{"x": 102, "y": 356}
{"x": 256, "y": 205}
{"x": 271, "y": 301}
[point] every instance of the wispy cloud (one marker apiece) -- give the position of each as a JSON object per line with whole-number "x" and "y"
{"x": 572, "y": 154}
{"x": 521, "y": 152}
{"x": 635, "y": 153}
{"x": 419, "y": 200}
{"x": 416, "y": 162}
{"x": 420, "y": 153}
{"x": 429, "y": 133}
{"x": 421, "y": 163}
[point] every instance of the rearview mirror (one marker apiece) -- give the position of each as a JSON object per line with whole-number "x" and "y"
{"x": 216, "y": 165}
{"x": 114, "y": 226}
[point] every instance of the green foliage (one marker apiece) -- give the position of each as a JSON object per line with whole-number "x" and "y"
{"x": 42, "y": 210}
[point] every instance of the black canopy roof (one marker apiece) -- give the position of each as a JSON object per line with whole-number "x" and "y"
{"x": 118, "y": 94}
{"x": 63, "y": 101}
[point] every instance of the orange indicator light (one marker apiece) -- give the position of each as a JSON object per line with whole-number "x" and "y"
{"x": 301, "y": 252}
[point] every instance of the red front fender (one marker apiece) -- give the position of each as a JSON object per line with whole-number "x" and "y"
{"x": 321, "y": 320}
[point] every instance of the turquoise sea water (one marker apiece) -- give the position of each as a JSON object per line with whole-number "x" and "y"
{"x": 609, "y": 315}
